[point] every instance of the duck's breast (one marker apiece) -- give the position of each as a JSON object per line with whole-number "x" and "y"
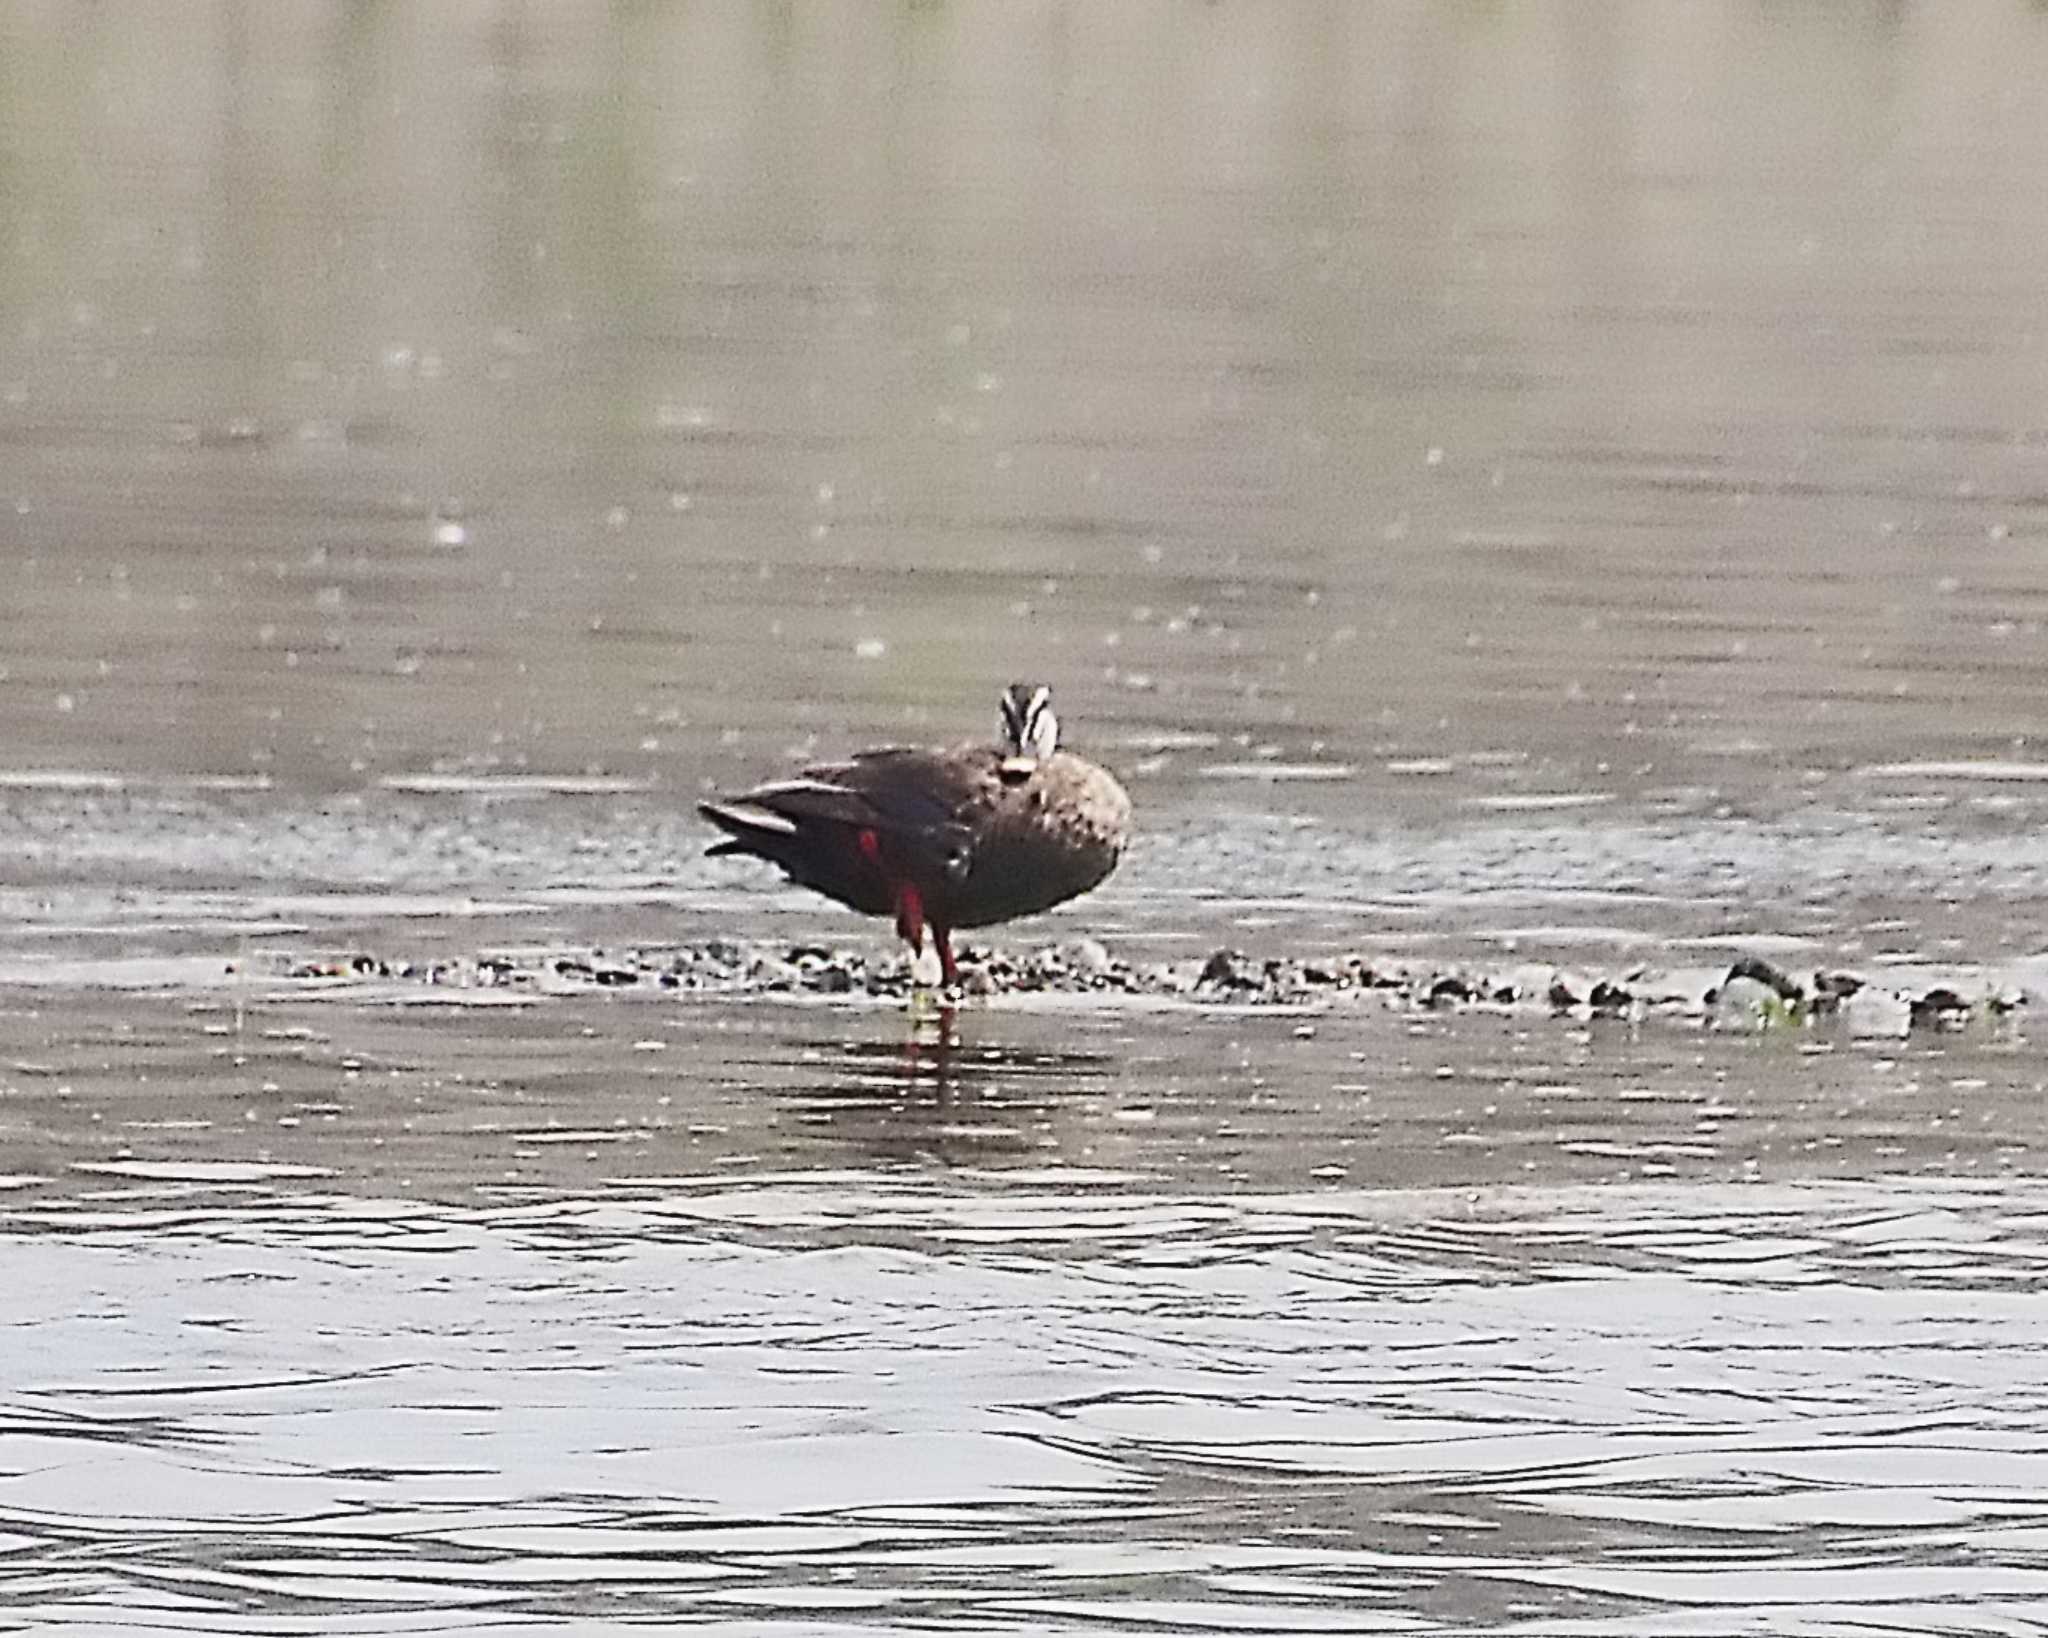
{"x": 1047, "y": 838}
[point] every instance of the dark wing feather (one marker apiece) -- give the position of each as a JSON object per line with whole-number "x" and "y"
{"x": 916, "y": 790}
{"x": 928, "y": 803}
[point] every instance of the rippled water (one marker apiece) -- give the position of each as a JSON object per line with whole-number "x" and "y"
{"x": 834, "y": 1402}
{"x": 1549, "y": 486}
{"x": 773, "y": 1316}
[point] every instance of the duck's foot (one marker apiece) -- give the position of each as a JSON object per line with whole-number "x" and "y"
{"x": 927, "y": 972}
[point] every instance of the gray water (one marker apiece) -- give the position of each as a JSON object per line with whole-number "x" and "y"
{"x": 1553, "y": 486}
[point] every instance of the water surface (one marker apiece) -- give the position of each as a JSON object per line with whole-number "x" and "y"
{"x": 1549, "y": 486}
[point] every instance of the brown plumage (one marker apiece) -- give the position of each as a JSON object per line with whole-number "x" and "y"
{"x": 964, "y": 836}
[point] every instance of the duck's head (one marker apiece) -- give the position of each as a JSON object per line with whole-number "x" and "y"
{"x": 1030, "y": 731}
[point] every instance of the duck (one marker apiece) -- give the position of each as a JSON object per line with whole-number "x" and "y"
{"x": 941, "y": 838}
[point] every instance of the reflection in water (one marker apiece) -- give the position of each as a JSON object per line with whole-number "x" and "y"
{"x": 935, "y": 1097}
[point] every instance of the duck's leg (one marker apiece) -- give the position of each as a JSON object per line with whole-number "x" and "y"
{"x": 910, "y": 921}
{"x": 903, "y": 896}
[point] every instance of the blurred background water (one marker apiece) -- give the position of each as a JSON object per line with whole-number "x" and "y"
{"x": 1561, "y": 481}
{"x": 1654, "y": 397}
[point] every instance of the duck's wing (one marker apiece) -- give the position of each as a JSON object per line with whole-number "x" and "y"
{"x": 927, "y": 804}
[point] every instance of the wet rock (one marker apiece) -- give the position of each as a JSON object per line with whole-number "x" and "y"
{"x": 1086, "y": 956}
{"x": 1759, "y": 971}
{"x": 1610, "y": 1000}
{"x": 1872, "y": 1012}
{"x": 1940, "y": 1008}
{"x": 773, "y": 973}
{"x": 1830, "y": 990}
{"x": 1449, "y": 990}
{"x": 1226, "y": 970}
{"x": 1755, "y": 994}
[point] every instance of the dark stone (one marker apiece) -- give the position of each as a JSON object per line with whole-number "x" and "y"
{"x": 1760, "y": 971}
{"x": 1939, "y": 1008}
{"x": 1223, "y": 971}
{"x": 1835, "y": 986}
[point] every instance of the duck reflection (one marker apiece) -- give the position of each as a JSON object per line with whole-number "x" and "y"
{"x": 933, "y": 1097}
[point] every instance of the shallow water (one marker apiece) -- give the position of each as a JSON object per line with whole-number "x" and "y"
{"x": 1538, "y": 487}
{"x": 762, "y": 1316}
